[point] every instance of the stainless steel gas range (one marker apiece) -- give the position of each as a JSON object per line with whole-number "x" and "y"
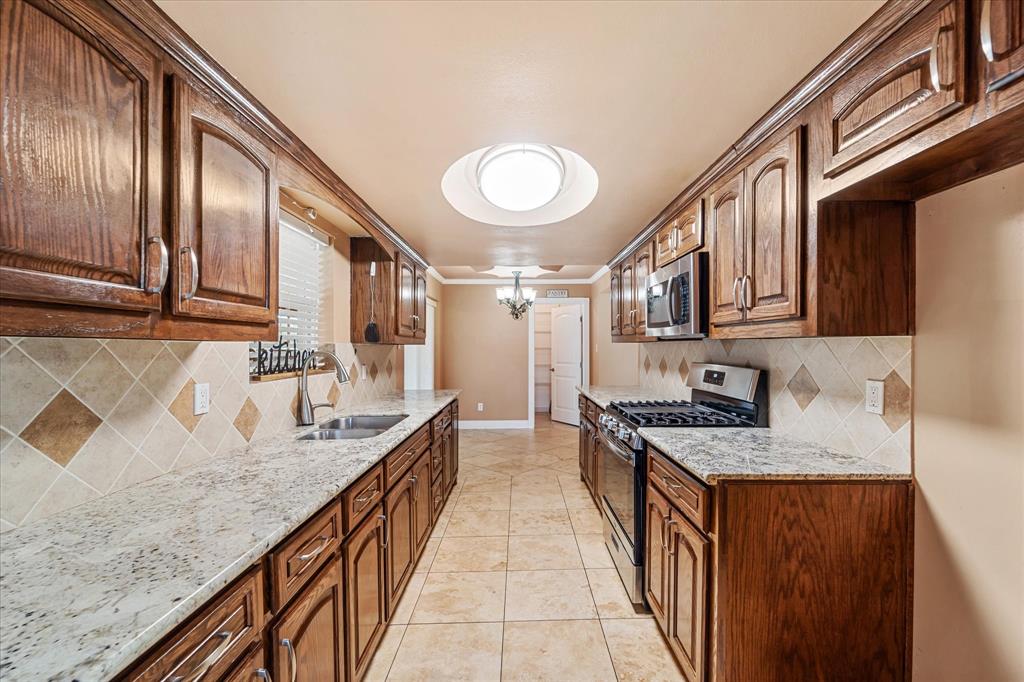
{"x": 721, "y": 396}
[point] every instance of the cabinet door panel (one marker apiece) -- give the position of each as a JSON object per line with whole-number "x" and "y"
{"x": 405, "y": 289}
{"x": 688, "y": 600}
{"x": 626, "y": 285}
{"x": 643, "y": 261}
{"x": 307, "y": 638}
{"x": 421, "y": 304}
{"x": 727, "y": 249}
{"x": 913, "y": 80}
{"x": 615, "y": 295}
{"x": 421, "y": 501}
{"x": 400, "y": 509}
{"x": 226, "y": 215}
{"x": 772, "y": 193}
{"x": 365, "y": 593}
{"x": 656, "y": 574}
{"x": 80, "y": 196}
{"x": 1001, "y": 33}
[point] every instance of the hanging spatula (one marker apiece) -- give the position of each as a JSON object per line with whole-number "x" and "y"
{"x": 372, "y": 334}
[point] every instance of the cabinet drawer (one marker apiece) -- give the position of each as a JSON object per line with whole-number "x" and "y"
{"x": 249, "y": 667}
{"x": 436, "y": 462}
{"x": 359, "y": 498}
{"x": 206, "y": 646}
{"x": 402, "y": 458}
{"x": 909, "y": 83}
{"x": 299, "y": 556}
{"x": 442, "y": 420}
{"x": 691, "y": 496}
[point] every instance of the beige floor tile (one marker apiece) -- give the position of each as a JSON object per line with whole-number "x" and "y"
{"x": 610, "y": 595}
{"x": 456, "y": 554}
{"x": 408, "y": 601}
{"x": 512, "y": 466}
{"x": 548, "y": 595}
{"x": 639, "y": 653}
{"x": 539, "y": 522}
{"x": 586, "y": 521}
{"x": 593, "y": 550}
{"x": 427, "y": 558}
{"x": 481, "y": 459}
{"x": 540, "y": 552}
{"x": 482, "y": 501}
{"x": 536, "y": 500}
{"x": 562, "y": 651}
{"x": 380, "y": 666}
{"x": 461, "y": 598}
{"x": 578, "y": 499}
{"x": 464, "y": 651}
{"x": 536, "y": 478}
{"x": 494, "y": 483}
{"x": 477, "y": 523}
{"x": 567, "y": 466}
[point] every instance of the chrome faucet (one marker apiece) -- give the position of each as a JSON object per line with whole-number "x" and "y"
{"x": 306, "y": 406}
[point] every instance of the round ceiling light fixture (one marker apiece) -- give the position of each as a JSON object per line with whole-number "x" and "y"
{"x": 522, "y": 184}
{"x": 520, "y": 177}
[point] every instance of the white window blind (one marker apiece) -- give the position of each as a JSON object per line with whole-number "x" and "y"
{"x": 302, "y": 284}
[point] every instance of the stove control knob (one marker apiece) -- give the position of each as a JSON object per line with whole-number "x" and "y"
{"x": 623, "y": 433}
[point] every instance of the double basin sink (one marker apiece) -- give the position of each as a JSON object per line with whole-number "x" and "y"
{"x": 348, "y": 428}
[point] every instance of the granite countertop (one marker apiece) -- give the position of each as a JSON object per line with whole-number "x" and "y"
{"x": 86, "y": 592}
{"x": 716, "y": 454}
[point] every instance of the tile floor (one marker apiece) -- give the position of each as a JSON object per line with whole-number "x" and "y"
{"x": 515, "y": 583}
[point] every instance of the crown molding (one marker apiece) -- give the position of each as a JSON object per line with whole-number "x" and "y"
{"x": 506, "y": 281}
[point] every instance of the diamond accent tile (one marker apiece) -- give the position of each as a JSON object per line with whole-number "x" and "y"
{"x": 728, "y": 345}
{"x": 663, "y": 366}
{"x": 181, "y": 407}
{"x": 353, "y": 374}
{"x": 389, "y": 369}
{"x": 247, "y": 419}
{"x": 896, "y": 406}
{"x": 647, "y": 365}
{"x": 683, "y": 370}
{"x": 803, "y": 387}
{"x": 373, "y": 371}
{"x": 62, "y": 428}
{"x": 335, "y": 393}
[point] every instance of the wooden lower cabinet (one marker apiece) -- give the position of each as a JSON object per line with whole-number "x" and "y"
{"x": 365, "y": 589}
{"x": 307, "y": 639}
{"x": 252, "y": 666}
{"x": 656, "y": 557}
{"x": 400, "y": 512}
{"x": 421, "y": 492}
{"x": 687, "y": 597}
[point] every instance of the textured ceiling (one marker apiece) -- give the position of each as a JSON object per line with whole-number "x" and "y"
{"x": 389, "y": 94}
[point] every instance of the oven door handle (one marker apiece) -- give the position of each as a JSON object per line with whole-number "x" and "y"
{"x": 623, "y": 454}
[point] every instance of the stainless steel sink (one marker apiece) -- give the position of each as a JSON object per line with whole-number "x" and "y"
{"x": 381, "y": 421}
{"x": 352, "y": 428}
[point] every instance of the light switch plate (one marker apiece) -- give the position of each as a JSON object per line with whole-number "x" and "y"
{"x": 874, "y": 396}
{"x": 479, "y": 407}
{"x": 201, "y": 399}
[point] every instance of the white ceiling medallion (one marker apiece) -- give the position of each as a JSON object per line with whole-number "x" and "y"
{"x": 520, "y": 185}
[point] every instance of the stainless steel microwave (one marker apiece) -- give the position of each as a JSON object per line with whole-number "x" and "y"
{"x": 677, "y": 299}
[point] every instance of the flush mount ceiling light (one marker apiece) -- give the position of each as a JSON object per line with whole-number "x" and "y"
{"x": 520, "y": 184}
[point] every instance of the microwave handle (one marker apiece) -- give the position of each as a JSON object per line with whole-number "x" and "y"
{"x": 675, "y": 302}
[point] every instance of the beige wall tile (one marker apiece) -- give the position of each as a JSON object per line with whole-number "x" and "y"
{"x": 102, "y": 459}
{"x": 136, "y": 414}
{"x": 25, "y": 475}
{"x": 134, "y": 354}
{"x": 101, "y": 383}
{"x": 60, "y": 357}
{"x": 24, "y": 390}
{"x": 66, "y": 492}
{"x": 164, "y": 442}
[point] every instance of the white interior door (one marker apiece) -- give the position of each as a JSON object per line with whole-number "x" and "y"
{"x": 419, "y": 360}
{"x": 566, "y": 362}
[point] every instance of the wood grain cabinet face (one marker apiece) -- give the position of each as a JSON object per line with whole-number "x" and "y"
{"x": 643, "y": 265}
{"x": 728, "y": 244}
{"x": 615, "y": 295}
{"x": 680, "y": 235}
{"x": 656, "y": 574}
{"x": 421, "y": 303}
{"x": 400, "y": 510}
{"x": 225, "y": 214}
{"x": 915, "y": 79}
{"x": 421, "y": 502}
{"x": 627, "y": 300}
{"x": 405, "y": 288}
{"x": 688, "y": 596}
{"x": 1001, "y": 34}
{"x": 307, "y": 638}
{"x": 365, "y": 592}
{"x": 81, "y": 133}
{"x": 250, "y": 668}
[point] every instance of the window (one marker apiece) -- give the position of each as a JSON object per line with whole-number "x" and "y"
{"x": 302, "y": 299}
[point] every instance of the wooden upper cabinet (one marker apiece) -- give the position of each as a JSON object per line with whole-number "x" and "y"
{"x": 627, "y": 300}
{"x": 365, "y": 593}
{"x": 725, "y": 224}
{"x": 913, "y": 80}
{"x": 405, "y": 289}
{"x": 225, "y": 214}
{"x": 80, "y": 205}
{"x": 643, "y": 265}
{"x": 1001, "y": 35}
{"x": 307, "y": 638}
{"x": 680, "y": 235}
{"x": 615, "y": 295}
{"x": 772, "y": 189}
{"x": 688, "y": 552}
{"x": 420, "y": 300}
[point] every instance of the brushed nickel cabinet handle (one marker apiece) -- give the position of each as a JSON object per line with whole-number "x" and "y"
{"x": 164, "y": 266}
{"x": 736, "y": 299}
{"x": 668, "y": 524}
{"x": 384, "y": 529}
{"x": 204, "y": 666}
{"x": 670, "y": 483}
{"x": 933, "y": 59}
{"x": 747, "y": 294}
{"x": 664, "y": 520}
{"x": 264, "y": 674}
{"x": 367, "y": 496}
{"x": 316, "y": 552}
{"x": 194, "y": 263}
{"x": 292, "y": 663}
{"x": 986, "y": 31}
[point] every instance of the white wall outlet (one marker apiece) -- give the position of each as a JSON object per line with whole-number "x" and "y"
{"x": 874, "y": 396}
{"x": 479, "y": 407}
{"x": 363, "y": 372}
{"x": 201, "y": 399}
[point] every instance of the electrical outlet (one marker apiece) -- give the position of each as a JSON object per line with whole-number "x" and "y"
{"x": 363, "y": 372}
{"x": 479, "y": 407}
{"x": 201, "y": 399}
{"x": 874, "y": 396}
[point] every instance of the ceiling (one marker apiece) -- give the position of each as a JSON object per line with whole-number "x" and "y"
{"x": 564, "y": 272}
{"x": 389, "y": 94}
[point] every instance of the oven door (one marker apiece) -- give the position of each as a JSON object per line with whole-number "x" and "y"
{"x": 618, "y": 487}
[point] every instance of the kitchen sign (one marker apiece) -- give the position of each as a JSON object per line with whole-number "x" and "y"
{"x": 558, "y": 293}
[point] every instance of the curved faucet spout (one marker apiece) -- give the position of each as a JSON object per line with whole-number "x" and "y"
{"x": 306, "y": 406}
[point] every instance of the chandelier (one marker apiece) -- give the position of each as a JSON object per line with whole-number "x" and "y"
{"x": 515, "y": 298}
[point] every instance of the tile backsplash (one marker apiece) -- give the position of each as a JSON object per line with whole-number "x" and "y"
{"x": 82, "y": 418}
{"x": 816, "y": 386}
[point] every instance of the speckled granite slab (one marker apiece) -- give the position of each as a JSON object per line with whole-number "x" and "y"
{"x": 715, "y": 454}
{"x": 86, "y": 592}
{"x": 604, "y": 395}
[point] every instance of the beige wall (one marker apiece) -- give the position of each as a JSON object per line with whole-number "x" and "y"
{"x": 435, "y": 292}
{"x": 969, "y": 433}
{"x": 611, "y": 364}
{"x": 485, "y": 352}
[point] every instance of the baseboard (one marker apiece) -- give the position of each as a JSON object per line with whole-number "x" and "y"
{"x": 495, "y": 424}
